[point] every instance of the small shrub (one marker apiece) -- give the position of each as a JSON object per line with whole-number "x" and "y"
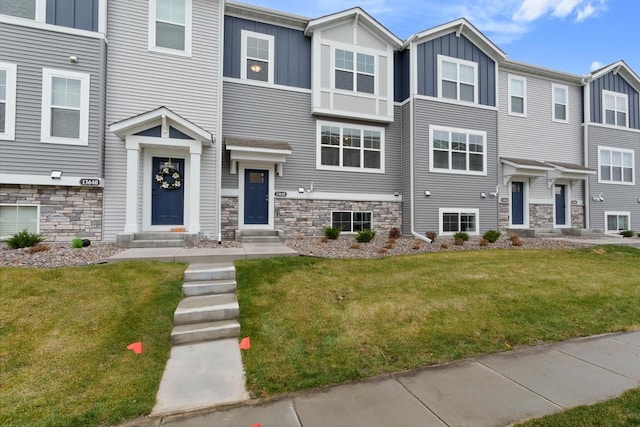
{"x": 431, "y": 235}
{"x": 458, "y": 241}
{"x": 77, "y": 243}
{"x": 627, "y": 233}
{"x": 417, "y": 244}
{"x": 332, "y": 232}
{"x": 461, "y": 235}
{"x": 365, "y": 236}
{"x": 355, "y": 246}
{"x": 484, "y": 242}
{"x": 24, "y": 239}
{"x": 444, "y": 245}
{"x": 40, "y": 247}
{"x": 395, "y": 233}
{"x": 491, "y": 235}
{"x": 515, "y": 240}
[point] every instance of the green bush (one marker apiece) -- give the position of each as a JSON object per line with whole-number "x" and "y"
{"x": 24, "y": 239}
{"x": 365, "y": 236}
{"x": 77, "y": 243}
{"x": 461, "y": 235}
{"x": 627, "y": 233}
{"x": 491, "y": 235}
{"x": 332, "y": 232}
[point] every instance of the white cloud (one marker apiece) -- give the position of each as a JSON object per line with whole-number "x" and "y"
{"x": 596, "y": 65}
{"x": 585, "y": 12}
{"x": 530, "y": 10}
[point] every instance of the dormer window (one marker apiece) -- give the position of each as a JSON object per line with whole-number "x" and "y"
{"x": 457, "y": 79}
{"x": 615, "y": 107}
{"x": 257, "y": 56}
{"x": 364, "y": 71}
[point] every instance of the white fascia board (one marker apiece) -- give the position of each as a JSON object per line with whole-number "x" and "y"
{"x": 258, "y": 150}
{"x": 150, "y": 118}
{"x": 64, "y": 180}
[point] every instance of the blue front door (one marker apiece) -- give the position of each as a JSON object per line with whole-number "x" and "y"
{"x": 517, "y": 203}
{"x": 167, "y": 192}
{"x": 561, "y": 205}
{"x": 256, "y": 196}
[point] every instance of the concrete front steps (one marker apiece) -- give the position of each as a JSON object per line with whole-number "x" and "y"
{"x": 259, "y": 236}
{"x": 549, "y": 233}
{"x": 210, "y": 308}
{"x": 151, "y": 239}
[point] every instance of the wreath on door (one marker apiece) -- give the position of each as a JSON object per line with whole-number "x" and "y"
{"x": 169, "y": 178}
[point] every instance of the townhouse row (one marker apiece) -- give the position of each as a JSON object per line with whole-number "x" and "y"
{"x": 118, "y": 117}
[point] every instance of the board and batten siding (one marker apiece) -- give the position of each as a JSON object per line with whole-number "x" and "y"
{"x": 617, "y": 197}
{"x": 278, "y": 115}
{"x": 402, "y": 74}
{"x": 32, "y": 50}
{"x": 614, "y": 83}
{"x": 455, "y": 47}
{"x": 292, "y": 51}
{"x": 453, "y": 190}
{"x": 140, "y": 80}
{"x": 537, "y": 136}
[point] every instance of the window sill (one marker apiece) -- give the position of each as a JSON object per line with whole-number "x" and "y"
{"x": 173, "y": 52}
{"x": 64, "y": 141}
{"x": 348, "y": 169}
{"x": 455, "y": 172}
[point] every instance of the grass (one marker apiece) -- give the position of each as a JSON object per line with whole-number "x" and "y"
{"x": 623, "y": 411}
{"x": 63, "y": 339}
{"x": 315, "y": 322}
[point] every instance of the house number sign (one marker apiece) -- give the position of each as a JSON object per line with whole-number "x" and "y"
{"x": 90, "y": 182}
{"x": 281, "y": 194}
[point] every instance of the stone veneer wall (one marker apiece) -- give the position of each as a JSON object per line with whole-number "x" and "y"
{"x": 540, "y": 216}
{"x": 503, "y": 216}
{"x": 577, "y": 216}
{"x": 229, "y": 217}
{"x": 310, "y": 217}
{"x": 65, "y": 212}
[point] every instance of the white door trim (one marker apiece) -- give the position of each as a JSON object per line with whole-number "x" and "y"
{"x": 525, "y": 203}
{"x": 567, "y": 203}
{"x": 242, "y": 165}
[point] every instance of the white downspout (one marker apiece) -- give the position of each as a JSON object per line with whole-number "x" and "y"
{"x": 585, "y": 147}
{"x": 218, "y": 140}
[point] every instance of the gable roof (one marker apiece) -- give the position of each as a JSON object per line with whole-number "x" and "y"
{"x": 157, "y": 116}
{"x": 464, "y": 27}
{"x": 618, "y": 67}
{"x": 358, "y": 15}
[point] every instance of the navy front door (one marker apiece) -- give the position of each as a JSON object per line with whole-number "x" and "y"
{"x": 167, "y": 204}
{"x": 256, "y": 196}
{"x": 517, "y": 203}
{"x": 561, "y": 205}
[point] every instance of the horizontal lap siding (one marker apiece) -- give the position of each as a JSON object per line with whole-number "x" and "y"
{"x": 616, "y": 197}
{"x": 32, "y": 50}
{"x": 279, "y": 115}
{"x": 452, "y": 190}
{"x": 140, "y": 80}
{"x": 537, "y": 136}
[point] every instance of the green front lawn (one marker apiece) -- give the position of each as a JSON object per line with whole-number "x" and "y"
{"x": 316, "y": 322}
{"x": 63, "y": 339}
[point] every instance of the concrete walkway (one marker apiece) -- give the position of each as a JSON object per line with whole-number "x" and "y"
{"x": 493, "y": 390}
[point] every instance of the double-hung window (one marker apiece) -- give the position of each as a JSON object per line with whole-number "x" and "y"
{"x": 615, "y": 165}
{"x": 347, "y": 147}
{"x": 257, "y": 56}
{"x": 560, "y": 95}
{"x": 517, "y": 96}
{"x": 15, "y": 218}
{"x": 615, "y": 106}
{"x": 350, "y": 221}
{"x": 457, "y": 151}
{"x": 7, "y": 100}
{"x": 616, "y": 221}
{"x": 457, "y": 79}
{"x": 355, "y": 71}
{"x": 453, "y": 220}
{"x": 170, "y": 26}
{"x": 19, "y": 8}
{"x": 65, "y": 107}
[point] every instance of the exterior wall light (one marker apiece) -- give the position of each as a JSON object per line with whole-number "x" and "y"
{"x": 56, "y": 174}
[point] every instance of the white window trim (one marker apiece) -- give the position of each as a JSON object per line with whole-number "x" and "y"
{"x": 188, "y": 24}
{"x": 441, "y": 211}
{"x": 555, "y": 86}
{"x": 524, "y": 97}
{"x": 617, "y": 213}
{"x": 243, "y": 61}
{"x": 433, "y": 128}
{"x": 633, "y": 165}
{"x": 342, "y": 125}
{"x": 9, "y": 133}
{"x": 24, "y": 205}
{"x": 355, "y": 71}
{"x": 459, "y": 62}
{"x": 352, "y": 212}
{"x": 85, "y": 80}
{"x": 604, "y": 109}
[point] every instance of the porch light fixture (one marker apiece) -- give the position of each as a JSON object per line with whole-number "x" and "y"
{"x": 56, "y": 174}
{"x": 427, "y": 193}
{"x": 301, "y": 190}
{"x": 256, "y": 68}
{"x": 483, "y": 195}
{"x": 73, "y": 59}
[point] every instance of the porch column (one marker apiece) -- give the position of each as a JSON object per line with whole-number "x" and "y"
{"x": 131, "y": 209}
{"x": 194, "y": 189}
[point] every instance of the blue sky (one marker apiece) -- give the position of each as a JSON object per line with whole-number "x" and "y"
{"x": 575, "y": 36}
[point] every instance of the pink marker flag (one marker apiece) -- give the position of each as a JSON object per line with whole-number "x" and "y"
{"x": 136, "y": 347}
{"x": 245, "y": 343}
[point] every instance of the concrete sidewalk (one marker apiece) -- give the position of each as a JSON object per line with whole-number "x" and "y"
{"x": 493, "y": 390}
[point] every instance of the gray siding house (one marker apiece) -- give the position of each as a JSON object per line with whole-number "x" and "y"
{"x": 52, "y": 100}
